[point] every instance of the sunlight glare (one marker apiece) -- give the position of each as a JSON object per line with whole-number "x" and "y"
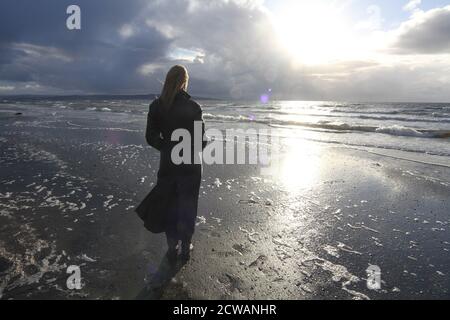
{"x": 312, "y": 32}
{"x": 299, "y": 168}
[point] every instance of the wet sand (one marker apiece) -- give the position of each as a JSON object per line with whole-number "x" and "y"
{"x": 69, "y": 186}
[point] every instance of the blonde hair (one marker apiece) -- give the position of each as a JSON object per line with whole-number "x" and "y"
{"x": 176, "y": 80}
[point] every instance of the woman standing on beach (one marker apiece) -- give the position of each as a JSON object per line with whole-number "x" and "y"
{"x": 173, "y": 110}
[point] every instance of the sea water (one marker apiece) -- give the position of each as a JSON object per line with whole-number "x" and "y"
{"x": 415, "y": 131}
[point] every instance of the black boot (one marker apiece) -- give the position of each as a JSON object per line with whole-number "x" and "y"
{"x": 172, "y": 256}
{"x": 186, "y": 250}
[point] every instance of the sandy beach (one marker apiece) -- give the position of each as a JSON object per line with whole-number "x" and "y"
{"x": 69, "y": 185}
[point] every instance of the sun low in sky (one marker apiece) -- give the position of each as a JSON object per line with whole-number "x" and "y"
{"x": 314, "y": 32}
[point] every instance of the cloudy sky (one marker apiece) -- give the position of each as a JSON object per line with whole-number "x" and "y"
{"x": 296, "y": 49}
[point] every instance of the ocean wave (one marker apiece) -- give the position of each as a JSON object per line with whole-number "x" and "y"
{"x": 396, "y": 130}
{"x": 367, "y": 115}
{"x": 359, "y": 116}
{"x": 443, "y": 120}
{"x": 419, "y": 112}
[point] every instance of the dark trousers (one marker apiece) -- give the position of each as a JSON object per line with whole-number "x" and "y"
{"x": 183, "y": 209}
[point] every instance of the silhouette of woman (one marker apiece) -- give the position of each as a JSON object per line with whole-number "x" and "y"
{"x": 173, "y": 110}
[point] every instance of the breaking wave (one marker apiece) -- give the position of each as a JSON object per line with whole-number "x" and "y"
{"x": 396, "y": 130}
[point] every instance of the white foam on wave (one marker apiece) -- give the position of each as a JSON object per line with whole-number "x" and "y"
{"x": 400, "y": 131}
{"x": 225, "y": 117}
{"x": 395, "y": 130}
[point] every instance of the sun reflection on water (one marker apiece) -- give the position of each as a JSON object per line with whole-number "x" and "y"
{"x": 299, "y": 165}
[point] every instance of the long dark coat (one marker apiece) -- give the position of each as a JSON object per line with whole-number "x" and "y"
{"x": 171, "y": 206}
{"x": 162, "y": 122}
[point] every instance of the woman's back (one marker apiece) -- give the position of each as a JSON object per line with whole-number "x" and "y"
{"x": 163, "y": 121}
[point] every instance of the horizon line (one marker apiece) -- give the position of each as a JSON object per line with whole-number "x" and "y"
{"x": 9, "y": 96}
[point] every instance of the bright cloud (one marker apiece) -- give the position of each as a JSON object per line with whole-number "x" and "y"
{"x": 412, "y": 5}
{"x": 425, "y": 33}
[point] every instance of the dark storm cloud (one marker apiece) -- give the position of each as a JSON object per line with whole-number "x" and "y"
{"x": 237, "y": 41}
{"x": 35, "y": 45}
{"x": 425, "y": 33}
{"x": 44, "y": 21}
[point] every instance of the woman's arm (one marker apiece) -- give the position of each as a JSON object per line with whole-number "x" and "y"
{"x": 199, "y": 117}
{"x": 153, "y": 132}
